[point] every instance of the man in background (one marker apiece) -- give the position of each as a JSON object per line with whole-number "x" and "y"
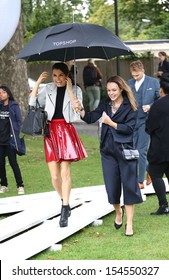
{"x": 157, "y": 125}
{"x": 91, "y": 78}
{"x": 146, "y": 91}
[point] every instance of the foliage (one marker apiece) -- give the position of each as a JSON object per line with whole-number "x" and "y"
{"x": 101, "y": 13}
{"x": 137, "y": 20}
{"x": 134, "y": 14}
{"x": 40, "y": 14}
{"x": 131, "y": 15}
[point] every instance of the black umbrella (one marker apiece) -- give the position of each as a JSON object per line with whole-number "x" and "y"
{"x": 68, "y": 41}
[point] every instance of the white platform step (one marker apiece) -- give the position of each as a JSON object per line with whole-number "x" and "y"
{"x": 31, "y": 217}
{"x": 150, "y": 190}
{"x": 24, "y": 234}
{"x": 19, "y": 203}
{"x": 45, "y": 235}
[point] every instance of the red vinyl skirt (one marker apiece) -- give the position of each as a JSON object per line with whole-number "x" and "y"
{"x": 63, "y": 143}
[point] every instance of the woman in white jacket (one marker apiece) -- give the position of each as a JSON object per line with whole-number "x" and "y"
{"x": 63, "y": 145}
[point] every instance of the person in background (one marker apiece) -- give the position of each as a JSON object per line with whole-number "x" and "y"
{"x": 62, "y": 146}
{"x": 119, "y": 113}
{"x": 163, "y": 66}
{"x": 157, "y": 125}
{"x": 72, "y": 69}
{"x": 91, "y": 79}
{"x": 146, "y": 91}
{"x": 10, "y": 127}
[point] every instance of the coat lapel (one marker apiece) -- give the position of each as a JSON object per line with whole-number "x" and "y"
{"x": 52, "y": 94}
{"x": 66, "y": 100}
{"x": 145, "y": 86}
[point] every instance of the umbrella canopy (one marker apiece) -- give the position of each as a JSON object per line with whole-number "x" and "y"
{"x": 68, "y": 41}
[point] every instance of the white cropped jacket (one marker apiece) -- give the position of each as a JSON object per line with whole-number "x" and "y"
{"x": 47, "y": 99}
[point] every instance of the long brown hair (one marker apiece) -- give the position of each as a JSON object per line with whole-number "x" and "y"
{"x": 125, "y": 89}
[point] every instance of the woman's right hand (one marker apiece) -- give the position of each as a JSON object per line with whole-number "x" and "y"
{"x": 76, "y": 104}
{"x": 42, "y": 77}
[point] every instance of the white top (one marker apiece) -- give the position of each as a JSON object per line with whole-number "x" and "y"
{"x": 138, "y": 83}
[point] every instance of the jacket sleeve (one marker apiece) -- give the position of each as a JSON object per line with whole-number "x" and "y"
{"x": 152, "y": 121}
{"x": 41, "y": 96}
{"x": 127, "y": 127}
{"x": 92, "y": 117}
{"x": 18, "y": 119}
{"x": 99, "y": 74}
{"x": 157, "y": 89}
{"x": 73, "y": 115}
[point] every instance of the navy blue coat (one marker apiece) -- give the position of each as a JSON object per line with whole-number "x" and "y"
{"x": 125, "y": 118}
{"x": 157, "y": 125}
{"x": 16, "y": 119}
{"x": 150, "y": 92}
{"x": 164, "y": 67}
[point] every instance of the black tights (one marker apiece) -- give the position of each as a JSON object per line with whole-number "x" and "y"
{"x": 160, "y": 189}
{"x": 12, "y": 157}
{"x": 157, "y": 172}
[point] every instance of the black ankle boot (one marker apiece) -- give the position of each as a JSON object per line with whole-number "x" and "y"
{"x": 163, "y": 209}
{"x": 64, "y": 216}
{"x": 69, "y": 210}
{"x": 69, "y": 207}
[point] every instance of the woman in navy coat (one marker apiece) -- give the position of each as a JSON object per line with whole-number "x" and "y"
{"x": 118, "y": 114}
{"x": 158, "y": 153}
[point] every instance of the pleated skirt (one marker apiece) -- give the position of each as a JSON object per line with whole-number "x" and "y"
{"x": 63, "y": 143}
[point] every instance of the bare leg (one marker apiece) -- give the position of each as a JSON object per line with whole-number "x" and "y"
{"x": 55, "y": 173}
{"x": 61, "y": 180}
{"x": 66, "y": 181}
{"x": 119, "y": 213}
{"x": 129, "y": 215}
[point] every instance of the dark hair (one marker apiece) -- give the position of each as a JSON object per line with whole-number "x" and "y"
{"x": 164, "y": 82}
{"x": 61, "y": 66}
{"x": 5, "y": 88}
{"x": 64, "y": 68}
{"x": 164, "y": 54}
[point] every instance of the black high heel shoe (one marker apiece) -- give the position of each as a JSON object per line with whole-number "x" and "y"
{"x": 117, "y": 226}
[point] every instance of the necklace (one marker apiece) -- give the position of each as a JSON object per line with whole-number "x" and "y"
{"x": 114, "y": 107}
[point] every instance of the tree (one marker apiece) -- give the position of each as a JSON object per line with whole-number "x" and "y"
{"x": 102, "y": 13}
{"x": 13, "y": 72}
{"x": 132, "y": 13}
{"x": 40, "y": 14}
{"x": 130, "y": 18}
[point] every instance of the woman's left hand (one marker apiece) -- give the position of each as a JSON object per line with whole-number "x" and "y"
{"x": 69, "y": 84}
{"x": 105, "y": 118}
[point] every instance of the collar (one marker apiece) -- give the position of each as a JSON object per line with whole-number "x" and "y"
{"x": 141, "y": 81}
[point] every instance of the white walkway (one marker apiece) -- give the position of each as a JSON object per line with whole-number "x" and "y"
{"x": 34, "y": 225}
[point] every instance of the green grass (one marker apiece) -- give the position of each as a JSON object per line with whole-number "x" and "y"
{"x": 151, "y": 233}
{"x": 86, "y": 172}
{"x": 105, "y": 243}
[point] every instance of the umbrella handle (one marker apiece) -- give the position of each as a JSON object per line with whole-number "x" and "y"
{"x": 73, "y": 98}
